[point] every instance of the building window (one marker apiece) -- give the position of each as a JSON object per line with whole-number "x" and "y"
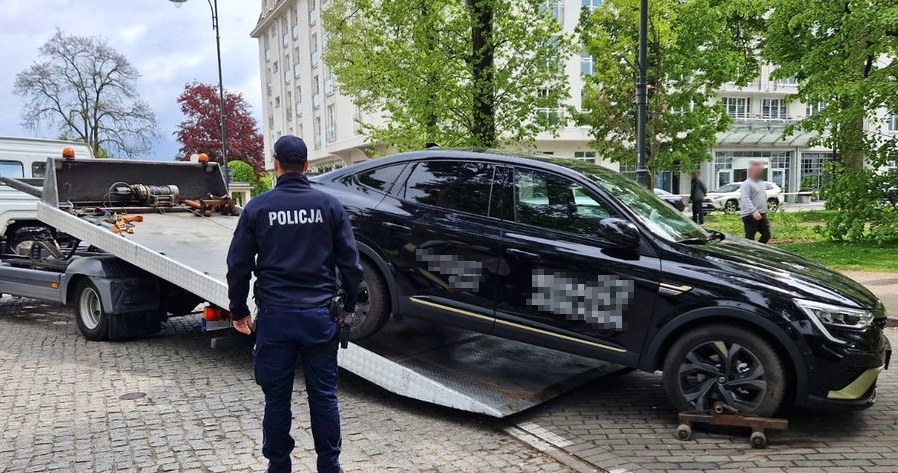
{"x": 893, "y": 122}
{"x": 316, "y": 93}
{"x": 555, "y": 9}
{"x": 723, "y": 168}
{"x": 277, "y": 102}
{"x": 586, "y": 64}
{"x": 294, "y": 20}
{"x": 588, "y": 156}
{"x": 592, "y": 4}
{"x": 331, "y": 124}
{"x": 289, "y": 106}
{"x": 812, "y": 170}
{"x": 317, "y": 132}
{"x": 313, "y": 46}
{"x": 738, "y": 107}
{"x": 274, "y": 67}
{"x": 774, "y": 108}
{"x": 357, "y": 121}
{"x": 812, "y": 109}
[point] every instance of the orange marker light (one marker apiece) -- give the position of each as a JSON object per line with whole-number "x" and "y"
{"x": 203, "y": 158}
{"x": 68, "y": 153}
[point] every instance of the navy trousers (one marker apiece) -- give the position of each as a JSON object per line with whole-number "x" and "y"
{"x": 282, "y": 336}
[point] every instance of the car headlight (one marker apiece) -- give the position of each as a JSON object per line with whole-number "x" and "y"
{"x": 836, "y": 316}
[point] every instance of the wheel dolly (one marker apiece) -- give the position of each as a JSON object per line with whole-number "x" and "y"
{"x": 728, "y": 416}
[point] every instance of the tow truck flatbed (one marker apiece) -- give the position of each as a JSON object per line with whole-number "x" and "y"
{"x": 441, "y": 365}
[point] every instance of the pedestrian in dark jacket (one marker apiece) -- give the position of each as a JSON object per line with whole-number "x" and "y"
{"x": 294, "y": 238}
{"x": 697, "y": 191}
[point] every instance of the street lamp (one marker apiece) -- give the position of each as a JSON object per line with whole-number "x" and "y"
{"x": 642, "y": 172}
{"x": 213, "y": 5}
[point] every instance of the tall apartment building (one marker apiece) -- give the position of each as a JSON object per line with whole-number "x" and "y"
{"x": 300, "y": 97}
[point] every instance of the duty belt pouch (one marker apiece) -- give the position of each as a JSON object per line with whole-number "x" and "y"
{"x": 336, "y": 309}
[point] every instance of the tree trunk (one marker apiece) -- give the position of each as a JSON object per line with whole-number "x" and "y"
{"x": 482, "y": 59}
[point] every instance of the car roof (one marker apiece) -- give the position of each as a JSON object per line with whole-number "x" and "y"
{"x": 569, "y": 167}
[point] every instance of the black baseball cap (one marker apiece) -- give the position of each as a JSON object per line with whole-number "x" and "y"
{"x": 290, "y": 149}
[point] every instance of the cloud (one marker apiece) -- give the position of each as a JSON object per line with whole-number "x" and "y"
{"x": 169, "y": 46}
{"x": 133, "y": 33}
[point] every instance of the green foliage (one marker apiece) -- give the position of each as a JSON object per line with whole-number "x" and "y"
{"x": 414, "y": 60}
{"x": 837, "y": 50}
{"x": 785, "y": 226}
{"x": 694, "y": 47}
{"x": 862, "y": 207}
{"x": 857, "y": 256}
{"x": 243, "y": 172}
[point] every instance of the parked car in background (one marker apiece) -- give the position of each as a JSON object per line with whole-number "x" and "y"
{"x": 727, "y": 198}
{"x": 677, "y": 201}
{"x": 574, "y": 257}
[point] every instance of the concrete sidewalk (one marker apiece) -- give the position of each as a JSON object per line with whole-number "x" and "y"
{"x": 884, "y": 285}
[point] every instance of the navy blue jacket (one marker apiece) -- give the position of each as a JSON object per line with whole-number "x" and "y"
{"x": 293, "y": 237}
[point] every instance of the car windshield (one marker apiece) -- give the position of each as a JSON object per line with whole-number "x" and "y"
{"x": 659, "y": 216}
{"x": 728, "y": 188}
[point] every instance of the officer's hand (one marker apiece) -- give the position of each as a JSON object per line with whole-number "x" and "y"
{"x": 244, "y": 325}
{"x": 757, "y": 215}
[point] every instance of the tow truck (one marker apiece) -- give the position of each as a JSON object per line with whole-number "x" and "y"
{"x": 128, "y": 244}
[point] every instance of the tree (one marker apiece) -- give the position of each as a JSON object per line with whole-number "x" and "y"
{"x": 243, "y": 172}
{"x": 694, "y": 47}
{"x": 88, "y": 90}
{"x": 453, "y": 72}
{"x": 200, "y": 132}
{"x": 843, "y": 54}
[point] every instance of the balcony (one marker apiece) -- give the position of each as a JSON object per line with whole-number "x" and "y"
{"x": 549, "y": 116}
{"x": 296, "y": 71}
{"x": 331, "y": 133}
{"x": 286, "y": 41}
{"x": 316, "y": 101}
{"x": 288, "y": 77}
{"x": 298, "y": 109}
{"x": 313, "y": 17}
{"x": 316, "y": 58}
{"x": 295, "y": 32}
{"x": 329, "y": 86}
{"x": 758, "y": 123}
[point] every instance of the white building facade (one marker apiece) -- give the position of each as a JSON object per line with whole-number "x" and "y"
{"x": 300, "y": 98}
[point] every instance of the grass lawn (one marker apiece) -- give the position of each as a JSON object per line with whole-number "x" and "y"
{"x": 851, "y": 256}
{"x": 798, "y": 232}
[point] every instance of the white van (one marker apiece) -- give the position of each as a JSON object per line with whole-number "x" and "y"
{"x": 27, "y": 158}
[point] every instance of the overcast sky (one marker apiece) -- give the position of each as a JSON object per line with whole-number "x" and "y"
{"x": 169, "y": 46}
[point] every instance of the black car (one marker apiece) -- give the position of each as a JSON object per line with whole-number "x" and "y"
{"x": 577, "y": 258}
{"x": 676, "y": 201}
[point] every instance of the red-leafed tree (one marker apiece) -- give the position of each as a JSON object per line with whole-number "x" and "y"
{"x": 200, "y": 132}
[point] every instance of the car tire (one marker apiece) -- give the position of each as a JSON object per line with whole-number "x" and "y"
{"x": 731, "y": 206}
{"x": 91, "y": 318}
{"x": 723, "y": 363}
{"x": 373, "y": 306}
{"x": 773, "y": 205}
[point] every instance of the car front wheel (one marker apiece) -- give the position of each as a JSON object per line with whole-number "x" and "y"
{"x": 373, "y": 304}
{"x": 773, "y": 205}
{"x": 731, "y": 206}
{"x": 724, "y": 364}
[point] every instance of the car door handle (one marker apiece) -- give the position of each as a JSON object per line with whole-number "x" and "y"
{"x": 521, "y": 253}
{"x": 396, "y": 228}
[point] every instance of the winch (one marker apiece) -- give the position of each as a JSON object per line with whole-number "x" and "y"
{"x": 122, "y": 193}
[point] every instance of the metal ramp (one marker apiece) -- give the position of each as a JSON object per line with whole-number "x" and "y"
{"x": 442, "y": 365}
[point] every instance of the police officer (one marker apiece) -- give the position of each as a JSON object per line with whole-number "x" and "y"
{"x": 293, "y": 238}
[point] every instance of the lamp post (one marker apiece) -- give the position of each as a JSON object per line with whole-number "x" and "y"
{"x": 213, "y": 5}
{"x": 642, "y": 172}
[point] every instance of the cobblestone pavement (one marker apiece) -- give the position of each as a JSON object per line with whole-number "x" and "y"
{"x": 626, "y": 424}
{"x": 170, "y": 403}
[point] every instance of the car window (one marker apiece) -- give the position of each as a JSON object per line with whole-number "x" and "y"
{"x": 38, "y": 170}
{"x": 453, "y": 185}
{"x": 11, "y": 169}
{"x": 382, "y": 178}
{"x": 769, "y": 186}
{"x": 551, "y": 201}
{"x": 729, "y": 187}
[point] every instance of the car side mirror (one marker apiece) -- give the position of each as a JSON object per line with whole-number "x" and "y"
{"x": 619, "y": 231}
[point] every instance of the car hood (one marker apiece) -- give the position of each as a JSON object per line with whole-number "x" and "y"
{"x": 784, "y": 272}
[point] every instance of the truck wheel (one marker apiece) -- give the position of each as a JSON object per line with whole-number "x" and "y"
{"x": 92, "y": 320}
{"x": 720, "y": 363}
{"x": 373, "y": 306}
